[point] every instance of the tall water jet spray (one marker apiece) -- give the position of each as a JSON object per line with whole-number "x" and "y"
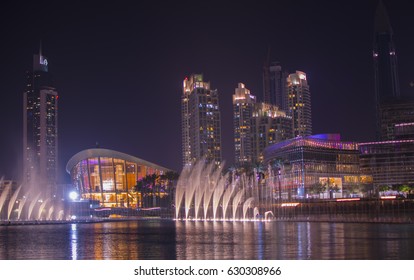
{"x": 218, "y": 193}
{"x": 21, "y": 205}
{"x": 32, "y": 205}
{"x": 12, "y": 202}
{"x": 236, "y": 201}
{"x": 49, "y": 214}
{"x": 227, "y": 195}
{"x": 180, "y": 189}
{"x": 247, "y": 204}
{"x": 41, "y": 208}
{"x": 204, "y": 193}
{"x": 4, "y": 195}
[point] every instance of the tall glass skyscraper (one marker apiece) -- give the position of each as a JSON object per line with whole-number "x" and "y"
{"x": 299, "y": 103}
{"x": 385, "y": 64}
{"x": 274, "y": 85}
{"x": 40, "y": 129}
{"x": 201, "y": 124}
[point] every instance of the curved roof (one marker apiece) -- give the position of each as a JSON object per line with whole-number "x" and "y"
{"x": 90, "y": 153}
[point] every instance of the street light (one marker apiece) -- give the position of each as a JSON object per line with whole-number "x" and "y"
{"x": 73, "y": 195}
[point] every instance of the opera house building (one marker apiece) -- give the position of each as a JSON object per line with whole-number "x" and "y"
{"x": 109, "y": 176}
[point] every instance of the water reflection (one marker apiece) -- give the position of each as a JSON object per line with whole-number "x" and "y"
{"x": 160, "y": 239}
{"x": 74, "y": 242}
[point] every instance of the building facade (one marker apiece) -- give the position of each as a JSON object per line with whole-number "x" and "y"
{"x": 40, "y": 129}
{"x": 269, "y": 126}
{"x": 324, "y": 162}
{"x": 274, "y": 85}
{"x": 110, "y": 177}
{"x": 201, "y": 122}
{"x": 395, "y": 117}
{"x": 299, "y": 103}
{"x": 391, "y": 163}
{"x": 256, "y": 126}
{"x": 243, "y": 107}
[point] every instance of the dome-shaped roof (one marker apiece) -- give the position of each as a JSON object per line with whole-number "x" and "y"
{"x": 98, "y": 152}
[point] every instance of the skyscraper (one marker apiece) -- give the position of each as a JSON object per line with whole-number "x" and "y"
{"x": 201, "y": 124}
{"x": 256, "y": 125}
{"x": 243, "y": 107}
{"x": 385, "y": 63}
{"x": 269, "y": 126}
{"x": 274, "y": 85}
{"x": 299, "y": 103}
{"x": 40, "y": 129}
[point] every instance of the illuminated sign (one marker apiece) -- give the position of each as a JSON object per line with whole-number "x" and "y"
{"x": 43, "y": 61}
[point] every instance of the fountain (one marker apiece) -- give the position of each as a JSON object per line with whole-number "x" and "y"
{"x": 19, "y": 206}
{"x": 204, "y": 193}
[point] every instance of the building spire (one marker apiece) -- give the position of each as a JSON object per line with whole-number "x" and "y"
{"x": 268, "y": 55}
{"x": 40, "y": 48}
{"x": 382, "y": 21}
{"x": 266, "y": 78}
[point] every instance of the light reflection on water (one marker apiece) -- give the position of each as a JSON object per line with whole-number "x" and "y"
{"x": 164, "y": 239}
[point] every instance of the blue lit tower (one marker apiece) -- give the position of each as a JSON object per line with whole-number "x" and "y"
{"x": 40, "y": 129}
{"x": 385, "y": 63}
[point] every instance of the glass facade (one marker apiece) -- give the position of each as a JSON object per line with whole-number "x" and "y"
{"x": 303, "y": 163}
{"x": 110, "y": 177}
{"x": 391, "y": 163}
{"x": 396, "y": 118}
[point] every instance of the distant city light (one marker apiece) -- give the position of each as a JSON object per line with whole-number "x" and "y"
{"x": 389, "y": 197}
{"x": 293, "y": 204}
{"x": 349, "y": 199}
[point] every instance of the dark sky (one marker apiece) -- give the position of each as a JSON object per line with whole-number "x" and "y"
{"x": 119, "y": 66}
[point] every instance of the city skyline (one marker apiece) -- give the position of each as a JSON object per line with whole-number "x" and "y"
{"x": 119, "y": 74}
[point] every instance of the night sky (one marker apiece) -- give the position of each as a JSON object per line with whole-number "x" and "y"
{"x": 119, "y": 67}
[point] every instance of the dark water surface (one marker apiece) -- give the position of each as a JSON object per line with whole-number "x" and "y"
{"x": 166, "y": 239}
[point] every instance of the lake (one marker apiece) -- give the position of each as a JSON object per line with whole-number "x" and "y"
{"x": 163, "y": 239}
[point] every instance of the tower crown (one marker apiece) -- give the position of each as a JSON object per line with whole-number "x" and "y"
{"x": 382, "y": 21}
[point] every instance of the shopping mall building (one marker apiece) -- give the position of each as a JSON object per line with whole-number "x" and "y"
{"x": 323, "y": 159}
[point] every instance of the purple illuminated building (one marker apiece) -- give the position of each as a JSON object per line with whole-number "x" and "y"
{"x": 317, "y": 166}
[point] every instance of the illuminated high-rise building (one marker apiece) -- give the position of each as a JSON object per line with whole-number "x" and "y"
{"x": 256, "y": 125}
{"x": 385, "y": 64}
{"x": 40, "y": 129}
{"x": 243, "y": 107}
{"x": 299, "y": 103}
{"x": 270, "y": 126}
{"x": 201, "y": 124}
